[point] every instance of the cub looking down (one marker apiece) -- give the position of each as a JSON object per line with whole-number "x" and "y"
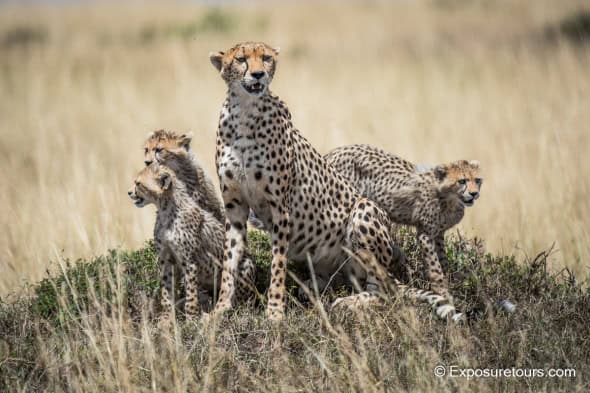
{"x": 430, "y": 199}
{"x": 174, "y": 151}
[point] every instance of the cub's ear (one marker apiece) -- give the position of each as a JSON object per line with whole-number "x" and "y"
{"x": 217, "y": 59}
{"x": 277, "y": 50}
{"x": 185, "y": 141}
{"x": 474, "y": 164}
{"x": 165, "y": 181}
{"x": 440, "y": 172}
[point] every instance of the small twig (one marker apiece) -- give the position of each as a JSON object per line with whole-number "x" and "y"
{"x": 334, "y": 275}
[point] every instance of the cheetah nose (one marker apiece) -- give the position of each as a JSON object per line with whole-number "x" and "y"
{"x": 257, "y": 74}
{"x": 474, "y": 194}
{"x": 148, "y": 162}
{"x": 129, "y": 193}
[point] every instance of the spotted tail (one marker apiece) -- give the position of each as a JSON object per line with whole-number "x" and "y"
{"x": 442, "y": 307}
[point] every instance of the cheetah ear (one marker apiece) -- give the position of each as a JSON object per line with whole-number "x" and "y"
{"x": 185, "y": 141}
{"x": 440, "y": 172}
{"x": 148, "y": 137}
{"x": 165, "y": 181}
{"x": 216, "y": 59}
{"x": 277, "y": 49}
{"x": 474, "y": 164}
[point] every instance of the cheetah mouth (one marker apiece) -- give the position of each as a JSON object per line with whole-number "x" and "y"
{"x": 254, "y": 88}
{"x": 469, "y": 202}
{"x": 139, "y": 201}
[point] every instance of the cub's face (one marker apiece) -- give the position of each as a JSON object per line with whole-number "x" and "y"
{"x": 247, "y": 68}
{"x": 163, "y": 146}
{"x": 149, "y": 186}
{"x": 462, "y": 178}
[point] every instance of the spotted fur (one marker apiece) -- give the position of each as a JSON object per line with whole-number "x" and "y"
{"x": 430, "y": 199}
{"x": 310, "y": 210}
{"x": 174, "y": 151}
{"x": 187, "y": 237}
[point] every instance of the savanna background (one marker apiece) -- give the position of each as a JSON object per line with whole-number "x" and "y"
{"x": 81, "y": 85}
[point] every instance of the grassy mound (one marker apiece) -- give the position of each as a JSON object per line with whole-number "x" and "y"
{"x": 92, "y": 328}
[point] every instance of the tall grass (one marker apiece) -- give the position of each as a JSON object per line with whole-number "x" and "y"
{"x": 431, "y": 81}
{"x": 91, "y": 328}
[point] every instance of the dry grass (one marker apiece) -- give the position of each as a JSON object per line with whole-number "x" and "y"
{"x": 431, "y": 81}
{"x": 92, "y": 329}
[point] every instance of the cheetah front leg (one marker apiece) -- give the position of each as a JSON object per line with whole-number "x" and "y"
{"x": 278, "y": 269}
{"x": 166, "y": 287}
{"x": 192, "y": 306}
{"x": 432, "y": 266}
{"x": 234, "y": 248}
{"x": 185, "y": 259}
{"x": 439, "y": 242}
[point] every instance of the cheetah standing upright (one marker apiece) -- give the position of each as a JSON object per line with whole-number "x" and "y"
{"x": 265, "y": 164}
{"x": 431, "y": 199}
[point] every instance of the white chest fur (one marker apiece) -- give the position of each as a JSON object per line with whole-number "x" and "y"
{"x": 242, "y": 155}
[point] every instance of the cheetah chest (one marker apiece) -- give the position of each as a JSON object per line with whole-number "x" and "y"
{"x": 242, "y": 168}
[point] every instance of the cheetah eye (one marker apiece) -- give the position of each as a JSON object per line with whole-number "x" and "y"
{"x": 241, "y": 59}
{"x": 145, "y": 151}
{"x": 266, "y": 58}
{"x": 478, "y": 180}
{"x": 158, "y": 149}
{"x": 462, "y": 181}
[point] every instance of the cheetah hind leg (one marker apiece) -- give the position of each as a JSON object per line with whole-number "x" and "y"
{"x": 443, "y": 309}
{"x": 372, "y": 252}
{"x": 373, "y": 249}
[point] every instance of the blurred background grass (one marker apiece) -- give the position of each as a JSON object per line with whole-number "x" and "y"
{"x": 505, "y": 82}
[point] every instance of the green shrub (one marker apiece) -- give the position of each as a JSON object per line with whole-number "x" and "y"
{"x": 212, "y": 21}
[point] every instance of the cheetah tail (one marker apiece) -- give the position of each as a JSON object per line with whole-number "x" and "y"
{"x": 443, "y": 308}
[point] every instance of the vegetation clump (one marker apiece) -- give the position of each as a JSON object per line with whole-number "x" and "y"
{"x": 93, "y": 327}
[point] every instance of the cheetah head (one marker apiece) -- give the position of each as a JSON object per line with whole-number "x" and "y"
{"x": 150, "y": 185}
{"x": 460, "y": 178}
{"x": 156, "y": 141}
{"x": 166, "y": 148}
{"x": 247, "y": 68}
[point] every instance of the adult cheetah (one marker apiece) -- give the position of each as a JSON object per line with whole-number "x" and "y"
{"x": 431, "y": 199}
{"x": 266, "y": 165}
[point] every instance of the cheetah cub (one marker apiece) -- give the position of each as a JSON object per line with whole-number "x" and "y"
{"x": 180, "y": 234}
{"x": 431, "y": 199}
{"x": 186, "y": 236}
{"x": 174, "y": 151}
